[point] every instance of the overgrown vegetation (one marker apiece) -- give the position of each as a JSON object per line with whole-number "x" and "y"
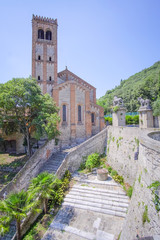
{"x": 155, "y": 187}
{"x": 130, "y": 120}
{"x": 145, "y": 84}
{"x": 45, "y": 188}
{"x": 145, "y": 217}
{"x": 10, "y": 165}
{"x": 92, "y": 161}
{"x": 96, "y": 160}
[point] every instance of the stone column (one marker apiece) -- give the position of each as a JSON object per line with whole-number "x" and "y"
{"x": 118, "y": 117}
{"x": 145, "y": 117}
{"x": 72, "y": 113}
{"x": 88, "y": 125}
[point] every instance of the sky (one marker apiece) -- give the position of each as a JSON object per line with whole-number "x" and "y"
{"x": 101, "y": 41}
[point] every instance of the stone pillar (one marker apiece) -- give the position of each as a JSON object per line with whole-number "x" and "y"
{"x": 88, "y": 125}
{"x": 145, "y": 117}
{"x": 72, "y": 113}
{"x": 118, "y": 117}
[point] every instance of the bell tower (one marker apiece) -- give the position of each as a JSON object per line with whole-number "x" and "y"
{"x": 44, "y": 52}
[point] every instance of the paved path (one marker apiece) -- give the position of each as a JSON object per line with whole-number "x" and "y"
{"x": 92, "y": 209}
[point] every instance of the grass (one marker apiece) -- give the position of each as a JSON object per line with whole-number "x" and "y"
{"x": 14, "y": 163}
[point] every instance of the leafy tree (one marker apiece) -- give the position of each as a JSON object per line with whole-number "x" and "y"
{"x": 145, "y": 84}
{"x": 44, "y": 186}
{"x": 156, "y": 107}
{"x": 15, "y": 207}
{"x": 23, "y": 108}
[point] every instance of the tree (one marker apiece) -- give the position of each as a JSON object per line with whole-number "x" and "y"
{"x": 15, "y": 207}
{"x": 156, "y": 107}
{"x": 44, "y": 186}
{"x": 23, "y": 108}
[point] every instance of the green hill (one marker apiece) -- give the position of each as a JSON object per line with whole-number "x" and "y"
{"x": 145, "y": 84}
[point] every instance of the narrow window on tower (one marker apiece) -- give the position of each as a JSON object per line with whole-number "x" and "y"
{"x": 39, "y": 57}
{"x": 64, "y": 113}
{"x": 79, "y": 113}
{"x": 50, "y": 59}
{"x": 92, "y": 118}
{"x": 48, "y": 35}
{"x": 40, "y": 34}
{"x": 39, "y": 78}
{"x": 50, "y": 78}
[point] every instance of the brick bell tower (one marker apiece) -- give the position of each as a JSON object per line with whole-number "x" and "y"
{"x": 44, "y": 52}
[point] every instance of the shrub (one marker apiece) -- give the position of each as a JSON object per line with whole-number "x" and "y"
{"x": 136, "y": 119}
{"x": 130, "y": 191}
{"x": 109, "y": 169}
{"x": 93, "y": 160}
{"x": 119, "y": 179}
{"x": 113, "y": 173}
{"x": 132, "y": 119}
{"x": 145, "y": 217}
{"x": 109, "y": 119}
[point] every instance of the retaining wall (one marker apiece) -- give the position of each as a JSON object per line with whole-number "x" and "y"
{"x": 31, "y": 168}
{"x": 123, "y": 150}
{"x": 148, "y": 172}
{"x": 73, "y": 160}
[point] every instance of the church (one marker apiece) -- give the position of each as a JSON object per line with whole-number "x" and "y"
{"x": 80, "y": 116}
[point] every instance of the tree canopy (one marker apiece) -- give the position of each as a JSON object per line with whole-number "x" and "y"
{"x": 145, "y": 84}
{"x": 24, "y": 108}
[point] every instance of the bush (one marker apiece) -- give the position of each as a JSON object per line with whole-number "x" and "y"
{"x": 136, "y": 119}
{"x": 93, "y": 161}
{"x": 130, "y": 191}
{"x": 113, "y": 173}
{"x": 132, "y": 119}
{"x": 109, "y": 169}
{"x": 119, "y": 179}
{"x": 109, "y": 120}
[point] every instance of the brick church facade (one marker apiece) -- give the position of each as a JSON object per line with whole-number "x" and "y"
{"x": 80, "y": 116}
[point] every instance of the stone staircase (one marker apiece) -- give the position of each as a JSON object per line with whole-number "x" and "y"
{"x": 98, "y": 196}
{"x": 92, "y": 209}
{"x": 53, "y": 163}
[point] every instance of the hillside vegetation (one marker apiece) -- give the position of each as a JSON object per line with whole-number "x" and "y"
{"x": 145, "y": 84}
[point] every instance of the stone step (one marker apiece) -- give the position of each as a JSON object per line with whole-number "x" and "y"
{"x": 94, "y": 189}
{"x": 96, "y": 209}
{"x": 97, "y": 200}
{"x": 105, "y": 197}
{"x": 94, "y": 193}
{"x": 99, "y": 204}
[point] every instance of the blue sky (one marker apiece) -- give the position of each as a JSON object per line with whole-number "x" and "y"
{"x": 102, "y": 41}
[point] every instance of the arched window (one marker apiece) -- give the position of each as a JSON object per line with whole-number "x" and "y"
{"x": 64, "y": 116}
{"x": 48, "y": 35}
{"x": 40, "y": 34}
{"x": 39, "y": 78}
{"x": 92, "y": 118}
{"x": 50, "y": 78}
{"x": 39, "y": 57}
{"x": 79, "y": 113}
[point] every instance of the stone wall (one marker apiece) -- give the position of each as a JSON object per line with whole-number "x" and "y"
{"x": 122, "y": 151}
{"x": 73, "y": 160}
{"x": 148, "y": 172}
{"x": 31, "y": 168}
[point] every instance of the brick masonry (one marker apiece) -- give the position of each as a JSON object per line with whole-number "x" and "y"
{"x": 70, "y": 89}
